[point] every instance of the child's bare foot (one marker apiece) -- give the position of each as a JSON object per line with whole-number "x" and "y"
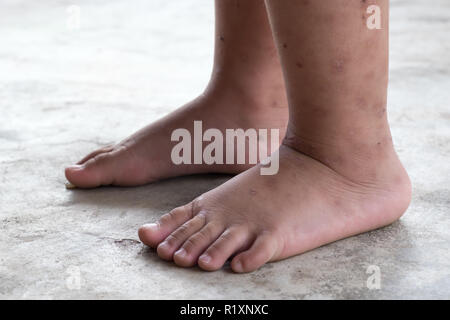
{"x": 258, "y": 219}
{"x": 146, "y": 155}
{"x": 246, "y": 91}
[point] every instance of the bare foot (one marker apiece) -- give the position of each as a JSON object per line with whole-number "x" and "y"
{"x": 146, "y": 155}
{"x": 246, "y": 90}
{"x": 258, "y": 219}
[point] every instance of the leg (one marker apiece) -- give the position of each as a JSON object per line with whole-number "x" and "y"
{"x": 339, "y": 174}
{"x": 246, "y": 89}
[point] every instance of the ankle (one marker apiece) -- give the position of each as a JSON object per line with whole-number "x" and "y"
{"x": 256, "y": 93}
{"x": 363, "y": 163}
{"x": 384, "y": 177}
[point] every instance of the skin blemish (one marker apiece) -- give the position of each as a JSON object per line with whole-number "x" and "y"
{"x": 365, "y": 3}
{"x": 222, "y": 38}
{"x": 299, "y": 65}
{"x": 382, "y": 112}
{"x": 379, "y": 109}
{"x": 252, "y": 192}
{"x": 337, "y": 203}
{"x": 285, "y": 45}
{"x": 361, "y": 103}
{"x": 338, "y": 66}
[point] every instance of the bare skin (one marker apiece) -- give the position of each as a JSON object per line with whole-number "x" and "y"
{"x": 339, "y": 174}
{"x": 267, "y": 218}
{"x": 246, "y": 90}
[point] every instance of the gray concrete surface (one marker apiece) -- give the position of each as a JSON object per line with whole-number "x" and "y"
{"x": 65, "y": 92}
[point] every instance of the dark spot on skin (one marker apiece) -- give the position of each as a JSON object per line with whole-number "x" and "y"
{"x": 379, "y": 108}
{"x": 361, "y": 103}
{"x": 366, "y": 2}
{"x": 382, "y": 112}
{"x": 338, "y": 65}
{"x": 285, "y": 45}
{"x": 222, "y": 38}
{"x": 337, "y": 203}
{"x": 378, "y": 143}
{"x": 370, "y": 75}
{"x": 299, "y": 65}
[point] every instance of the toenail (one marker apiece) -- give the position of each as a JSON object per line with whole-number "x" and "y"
{"x": 75, "y": 167}
{"x": 205, "y": 258}
{"x": 181, "y": 252}
{"x": 150, "y": 226}
{"x": 163, "y": 245}
{"x": 238, "y": 266}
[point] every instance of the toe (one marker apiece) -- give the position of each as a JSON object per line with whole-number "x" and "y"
{"x": 152, "y": 234}
{"x": 191, "y": 249}
{"x": 261, "y": 252}
{"x": 95, "y": 153}
{"x": 98, "y": 170}
{"x": 230, "y": 241}
{"x": 172, "y": 243}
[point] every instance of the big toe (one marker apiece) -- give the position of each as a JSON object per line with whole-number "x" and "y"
{"x": 95, "y": 172}
{"x": 154, "y": 233}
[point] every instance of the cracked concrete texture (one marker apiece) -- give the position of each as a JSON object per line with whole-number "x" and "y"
{"x": 66, "y": 92}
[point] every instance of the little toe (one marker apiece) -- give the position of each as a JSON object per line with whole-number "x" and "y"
{"x": 261, "y": 252}
{"x": 230, "y": 241}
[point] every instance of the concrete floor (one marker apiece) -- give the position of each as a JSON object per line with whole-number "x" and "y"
{"x": 66, "y": 92}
